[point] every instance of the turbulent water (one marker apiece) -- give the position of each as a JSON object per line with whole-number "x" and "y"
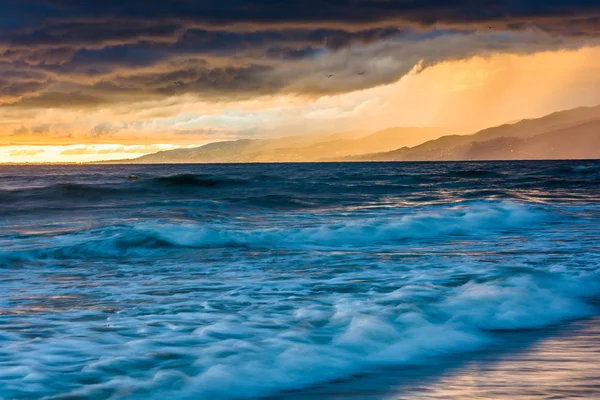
{"x": 240, "y": 281}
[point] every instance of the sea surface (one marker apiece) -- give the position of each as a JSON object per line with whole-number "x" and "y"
{"x": 300, "y": 281}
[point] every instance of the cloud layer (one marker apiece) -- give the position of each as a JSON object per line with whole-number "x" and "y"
{"x": 142, "y": 54}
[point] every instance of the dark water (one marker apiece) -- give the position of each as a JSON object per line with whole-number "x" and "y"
{"x": 239, "y": 281}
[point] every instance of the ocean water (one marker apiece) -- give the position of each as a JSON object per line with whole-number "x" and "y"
{"x": 274, "y": 280}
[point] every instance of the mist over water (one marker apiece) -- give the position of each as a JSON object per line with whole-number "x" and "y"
{"x": 246, "y": 281}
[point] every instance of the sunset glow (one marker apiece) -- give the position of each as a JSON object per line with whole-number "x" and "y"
{"x": 187, "y": 85}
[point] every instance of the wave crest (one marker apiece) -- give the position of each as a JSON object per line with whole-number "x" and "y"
{"x": 393, "y": 230}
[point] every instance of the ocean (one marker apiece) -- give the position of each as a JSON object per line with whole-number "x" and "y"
{"x": 299, "y": 281}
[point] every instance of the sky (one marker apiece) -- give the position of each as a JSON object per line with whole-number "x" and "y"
{"x": 91, "y": 80}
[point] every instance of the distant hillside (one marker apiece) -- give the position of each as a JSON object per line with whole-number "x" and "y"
{"x": 572, "y": 134}
{"x": 566, "y": 134}
{"x": 296, "y": 149}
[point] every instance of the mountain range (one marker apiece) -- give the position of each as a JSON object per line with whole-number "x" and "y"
{"x": 571, "y": 134}
{"x": 297, "y": 148}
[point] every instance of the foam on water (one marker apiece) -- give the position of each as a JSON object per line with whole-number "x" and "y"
{"x": 276, "y": 342}
{"x": 330, "y": 231}
{"x": 196, "y": 300}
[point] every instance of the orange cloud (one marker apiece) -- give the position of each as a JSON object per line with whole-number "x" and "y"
{"x": 25, "y": 152}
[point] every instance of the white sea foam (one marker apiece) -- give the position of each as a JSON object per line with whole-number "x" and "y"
{"x": 464, "y": 221}
{"x": 331, "y": 232}
{"x": 243, "y": 358}
{"x": 197, "y": 311}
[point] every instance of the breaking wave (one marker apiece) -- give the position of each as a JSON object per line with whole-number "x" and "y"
{"x": 274, "y": 336}
{"x": 384, "y": 230}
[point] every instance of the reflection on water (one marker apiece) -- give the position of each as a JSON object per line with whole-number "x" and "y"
{"x": 564, "y": 366}
{"x": 558, "y": 363}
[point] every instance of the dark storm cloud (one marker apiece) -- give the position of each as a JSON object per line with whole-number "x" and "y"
{"x": 92, "y": 33}
{"x": 278, "y": 44}
{"x": 218, "y": 83}
{"x": 52, "y": 99}
{"x": 10, "y": 88}
{"x": 76, "y": 53}
{"x": 205, "y": 40}
{"x": 308, "y": 12}
{"x": 252, "y": 79}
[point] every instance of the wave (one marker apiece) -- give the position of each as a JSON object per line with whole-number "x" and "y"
{"x": 475, "y": 173}
{"x": 342, "y": 337}
{"x": 579, "y": 170}
{"x": 127, "y": 187}
{"x": 587, "y": 169}
{"x": 388, "y": 230}
{"x": 458, "y": 321}
{"x": 60, "y": 190}
{"x": 198, "y": 180}
{"x": 277, "y": 201}
{"x": 462, "y": 221}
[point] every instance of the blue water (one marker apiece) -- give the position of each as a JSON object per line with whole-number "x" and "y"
{"x": 245, "y": 281}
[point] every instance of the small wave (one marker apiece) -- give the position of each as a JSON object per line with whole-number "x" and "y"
{"x": 580, "y": 170}
{"x": 103, "y": 191}
{"x": 275, "y": 201}
{"x": 587, "y": 169}
{"x": 198, "y": 180}
{"x": 475, "y": 173}
{"x": 61, "y": 191}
